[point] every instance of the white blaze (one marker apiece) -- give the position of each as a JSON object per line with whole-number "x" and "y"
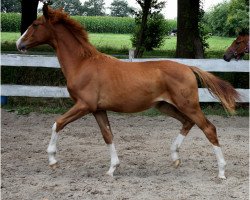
{"x": 20, "y": 39}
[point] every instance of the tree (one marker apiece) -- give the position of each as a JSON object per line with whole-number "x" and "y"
{"x": 154, "y": 34}
{"x": 29, "y": 13}
{"x": 216, "y": 19}
{"x": 147, "y": 7}
{"x": 94, "y": 8}
{"x": 238, "y": 16}
{"x": 189, "y": 43}
{"x": 11, "y": 6}
{"x": 229, "y": 18}
{"x": 120, "y": 8}
{"x": 73, "y": 7}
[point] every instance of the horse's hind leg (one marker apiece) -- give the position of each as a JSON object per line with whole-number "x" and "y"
{"x": 187, "y": 124}
{"x": 193, "y": 111}
{"x": 102, "y": 120}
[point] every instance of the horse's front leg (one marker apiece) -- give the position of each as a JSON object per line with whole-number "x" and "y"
{"x": 77, "y": 111}
{"x": 102, "y": 120}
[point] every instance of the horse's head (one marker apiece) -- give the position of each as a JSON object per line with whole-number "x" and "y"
{"x": 238, "y": 48}
{"x": 39, "y": 32}
{"x": 56, "y": 27}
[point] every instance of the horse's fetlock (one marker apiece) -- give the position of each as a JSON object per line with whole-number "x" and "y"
{"x": 51, "y": 150}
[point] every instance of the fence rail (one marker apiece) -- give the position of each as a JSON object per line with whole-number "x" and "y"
{"x": 17, "y": 60}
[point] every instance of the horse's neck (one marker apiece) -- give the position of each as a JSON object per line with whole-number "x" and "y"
{"x": 70, "y": 52}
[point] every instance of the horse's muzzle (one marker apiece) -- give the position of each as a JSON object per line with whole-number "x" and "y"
{"x": 21, "y": 47}
{"x": 227, "y": 58}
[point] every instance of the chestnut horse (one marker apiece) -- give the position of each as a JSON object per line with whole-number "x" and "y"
{"x": 97, "y": 83}
{"x": 238, "y": 48}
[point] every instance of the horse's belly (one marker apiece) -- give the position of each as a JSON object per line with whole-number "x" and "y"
{"x": 133, "y": 93}
{"x": 126, "y": 108}
{"x": 129, "y": 104}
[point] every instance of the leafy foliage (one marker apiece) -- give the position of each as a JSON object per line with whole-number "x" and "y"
{"x": 120, "y": 8}
{"x": 141, "y": 39}
{"x": 155, "y": 5}
{"x": 217, "y": 18}
{"x": 228, "y": 18}
{"x": 203, "y": 31}
{"x": 11, "y": 6}
{"x": 73, "y": 7}
{"x": 154, "y": 34}
{"x": 238, "y": 16}
{"x": 94, "y": 8}
{"x": 10, "y": 22}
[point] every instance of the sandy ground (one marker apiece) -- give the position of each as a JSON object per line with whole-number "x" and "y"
{"x": 143, "y": 145}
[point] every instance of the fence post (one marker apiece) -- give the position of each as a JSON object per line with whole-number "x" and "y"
{"x": 4, "y": 100}
{"x": 131, "y": 54}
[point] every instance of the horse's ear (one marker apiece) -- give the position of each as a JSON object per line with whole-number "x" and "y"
{"x": 46, "y": 11}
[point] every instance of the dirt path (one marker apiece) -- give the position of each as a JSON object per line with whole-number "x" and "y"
{"x": 143, "y": 145}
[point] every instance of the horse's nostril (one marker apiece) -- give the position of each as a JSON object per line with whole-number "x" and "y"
{"x": 22, "y": 48}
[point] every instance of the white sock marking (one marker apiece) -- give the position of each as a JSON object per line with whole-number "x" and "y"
{"x": 52, "y": 146}
{"x": 175, "y": 147}
{"x": 114, "y": 159}
{"x": 221, "y": 161}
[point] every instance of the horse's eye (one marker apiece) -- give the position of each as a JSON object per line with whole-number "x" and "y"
{"x": 35, "y": 25}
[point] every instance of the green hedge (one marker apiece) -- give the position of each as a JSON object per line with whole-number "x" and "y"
{"x": 96, "y": 24}
{"x": 10, "y": 22}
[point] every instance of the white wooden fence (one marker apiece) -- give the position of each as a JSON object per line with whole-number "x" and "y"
{"x": 15, "y": 60}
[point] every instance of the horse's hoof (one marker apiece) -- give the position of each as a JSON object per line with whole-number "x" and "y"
{"x": 54, "y": 166}
{"x": 222, "y": 177}
{"x": 109, "y": 174}
{"x": 177, "y": 163}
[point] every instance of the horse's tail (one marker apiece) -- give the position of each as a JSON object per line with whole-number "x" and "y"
{"x": 222, "y": 89}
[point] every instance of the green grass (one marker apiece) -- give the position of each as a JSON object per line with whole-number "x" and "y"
{"x": 26, "y": 105}
{"x": 118, "y": 41}
{"x": 219, "y": 43}
{"x": 120, "y": 44}
{"x": 9, "y": 36}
